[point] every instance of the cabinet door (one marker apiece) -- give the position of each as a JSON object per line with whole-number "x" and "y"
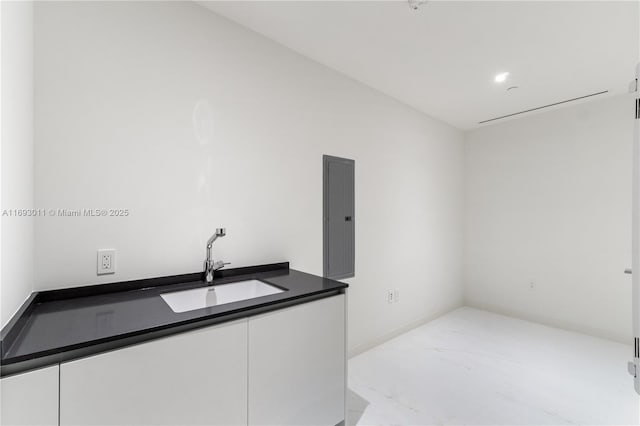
{"x": 30, "y": 398}
{"x": 195, "y": 378}
{"x": 297, "y": 365}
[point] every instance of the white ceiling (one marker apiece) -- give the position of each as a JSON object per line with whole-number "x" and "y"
{"x": 441, "y": 59}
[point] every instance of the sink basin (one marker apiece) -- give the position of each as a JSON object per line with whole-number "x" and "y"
{"x": 204, "y": 297}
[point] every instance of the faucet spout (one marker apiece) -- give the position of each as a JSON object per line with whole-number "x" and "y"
{"x": 209, "y": 265}
{"x": 220, "y": 232}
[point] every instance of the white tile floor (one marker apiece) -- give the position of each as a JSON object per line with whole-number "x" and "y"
{"x": 473, "y": 367}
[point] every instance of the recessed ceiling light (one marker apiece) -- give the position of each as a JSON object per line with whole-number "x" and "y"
{"x": 500, "y": 78}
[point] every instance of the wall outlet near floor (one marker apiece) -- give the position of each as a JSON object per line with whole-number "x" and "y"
{"x": 393, "y": 295}
{"x": 390, "y": 297}
{"x": 106, "y": 261}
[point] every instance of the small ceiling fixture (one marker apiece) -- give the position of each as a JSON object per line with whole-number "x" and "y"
{"x": 501, "y": 78}
{"x": 415, "y": 4}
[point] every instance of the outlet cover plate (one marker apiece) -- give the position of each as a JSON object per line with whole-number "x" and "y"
{"x": 106, "y": 261}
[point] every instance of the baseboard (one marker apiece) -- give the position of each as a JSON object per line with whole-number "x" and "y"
{"x": 401, "y": 330}
{"x": 562, "y": 325}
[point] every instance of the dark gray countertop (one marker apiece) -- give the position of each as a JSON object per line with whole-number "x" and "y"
{"x": 60, "y": 325}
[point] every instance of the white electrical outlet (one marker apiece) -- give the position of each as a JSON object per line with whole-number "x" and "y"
{"x": 389, "y": 296}
{"x": 106, "y": 261}
{"x": 396, "y": 295}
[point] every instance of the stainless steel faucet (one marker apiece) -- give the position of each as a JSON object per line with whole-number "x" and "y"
{"x": 209, "y": 265}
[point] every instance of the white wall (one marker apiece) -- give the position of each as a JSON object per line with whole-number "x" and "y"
{"x": 548, "y": 201}
{"x": 16, "y": 276}
{"x": 192, "y": 122}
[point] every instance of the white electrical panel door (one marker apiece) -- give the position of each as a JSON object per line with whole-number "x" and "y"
{"x": 195, "y": 378}
{"x": 297, "y": 365}
{"x": 30, "y": 398}
{"x": 634, "y": 367}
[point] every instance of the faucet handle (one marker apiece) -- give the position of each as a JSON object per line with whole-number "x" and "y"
{"x": 218, "y": 265}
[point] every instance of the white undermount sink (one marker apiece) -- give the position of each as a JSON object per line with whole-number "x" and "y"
{"x": 204, "y": 297}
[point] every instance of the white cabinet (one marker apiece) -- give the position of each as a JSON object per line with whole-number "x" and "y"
{"x": 285, "y": 367}
{"x": 297, "y": 365}
{"x": 195, "y": 378}
{"x": 30, "y": 398}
